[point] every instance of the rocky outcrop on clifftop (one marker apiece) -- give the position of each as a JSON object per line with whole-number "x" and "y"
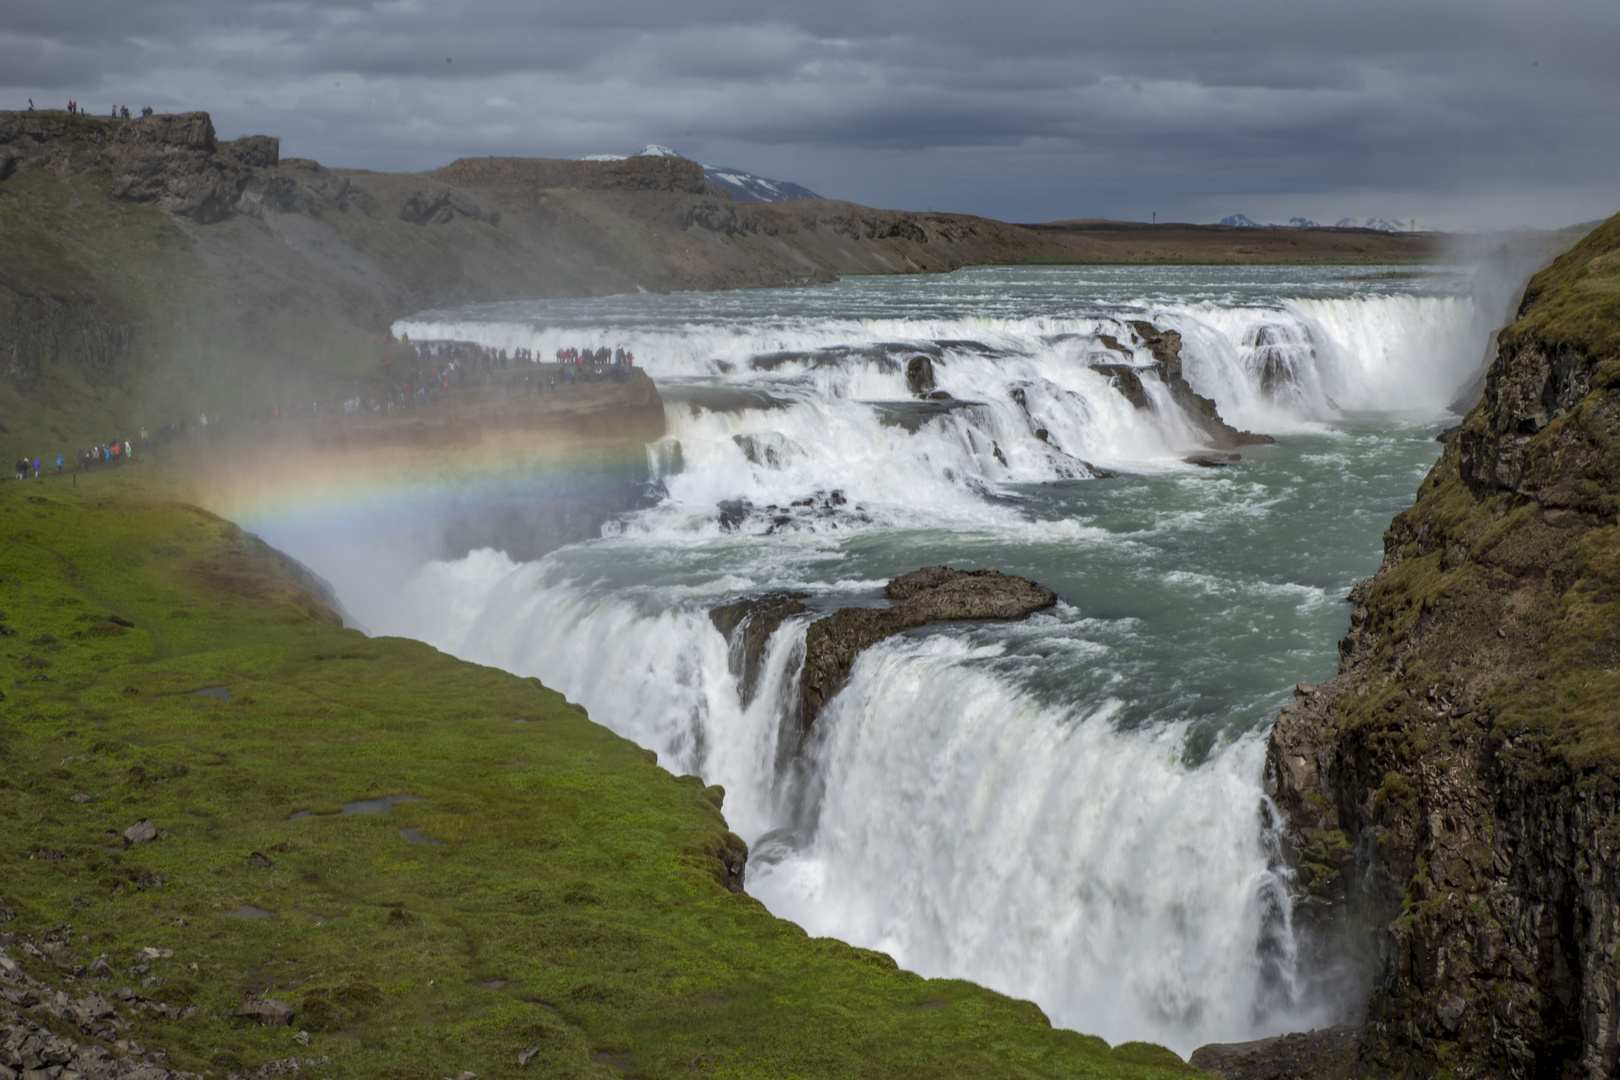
{"x": 1453, "y": 794}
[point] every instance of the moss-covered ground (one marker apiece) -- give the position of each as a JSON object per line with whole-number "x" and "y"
{"x": 553, "y": 889}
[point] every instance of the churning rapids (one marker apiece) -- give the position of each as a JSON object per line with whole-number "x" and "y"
{"x": 1067, "y": 809}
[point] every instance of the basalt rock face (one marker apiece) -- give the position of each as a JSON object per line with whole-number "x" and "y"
{"x": 932, "y": 594}
{"x": 1453, "y": 794}
{"x": 172, "y": 161}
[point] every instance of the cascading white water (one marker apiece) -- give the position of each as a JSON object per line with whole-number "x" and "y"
{"x": 1067, "y": 809}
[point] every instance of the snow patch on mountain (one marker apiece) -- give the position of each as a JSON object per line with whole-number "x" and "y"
{"x": 1381, "y": 224}
{"x": 744, "y": 186}
{"x": 1391, "y": 225}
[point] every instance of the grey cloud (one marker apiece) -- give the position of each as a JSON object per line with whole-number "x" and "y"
{"x": 1028, "y": 109}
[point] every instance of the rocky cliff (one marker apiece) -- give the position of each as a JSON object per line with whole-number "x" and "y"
{"x": 1451, "y": 795}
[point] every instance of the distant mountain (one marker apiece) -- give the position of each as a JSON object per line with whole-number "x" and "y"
{"x": 744, "y": 186}
{"x": 1389, "y": 225}
{"x": 1381, "y": 224}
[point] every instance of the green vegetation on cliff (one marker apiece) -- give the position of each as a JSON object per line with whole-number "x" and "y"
{"x": 552, "y": 890}
{"x": 1576, "y": 301}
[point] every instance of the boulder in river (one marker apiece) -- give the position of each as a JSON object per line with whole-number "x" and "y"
{"x": 920, "y": 375}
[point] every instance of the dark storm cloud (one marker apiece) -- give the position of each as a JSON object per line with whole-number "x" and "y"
{"x": 1462, "y": 113}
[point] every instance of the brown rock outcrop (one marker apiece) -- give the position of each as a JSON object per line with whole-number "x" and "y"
{"x": 932, "y": 594}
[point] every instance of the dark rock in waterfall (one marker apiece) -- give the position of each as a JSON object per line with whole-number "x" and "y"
{"x": 920, "y": 374}
{"x": 747, "y": 625}
{"x": 1111, "y": 343}
{"x": 1212, "y": 461}
{"x": 939, "y": 592}
{"x": 1273, "y": 360}
{"x": 1165, "y": 345}
{"x": 933, "y": 594}
{"x": 1123, "y": 377}
{"x": 733, "y": 512}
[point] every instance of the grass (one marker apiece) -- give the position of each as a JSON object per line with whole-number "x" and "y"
{"x": 1575, "y": 302}
{"x": 571, "y": 899}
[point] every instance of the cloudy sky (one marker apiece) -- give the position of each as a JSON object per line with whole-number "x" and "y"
{"x": 1459, "y": 113}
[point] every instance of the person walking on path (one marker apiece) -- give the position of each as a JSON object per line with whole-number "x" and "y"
{"x": 39, "y": 473}
{"x": 59, "y": 464}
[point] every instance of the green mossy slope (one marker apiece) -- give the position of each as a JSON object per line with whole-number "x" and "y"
{"x": 569, "y": 896}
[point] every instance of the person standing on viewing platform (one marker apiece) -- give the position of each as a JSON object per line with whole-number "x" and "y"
{"x": 59, "y": 464}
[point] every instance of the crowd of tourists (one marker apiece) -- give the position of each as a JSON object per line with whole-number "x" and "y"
{"x": 119, "y": 112}
{"x": 424, "y": 371}
{"x": 107, "y": 455}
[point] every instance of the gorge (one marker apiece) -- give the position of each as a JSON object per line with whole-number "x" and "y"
{"x": 1088, "y": 807}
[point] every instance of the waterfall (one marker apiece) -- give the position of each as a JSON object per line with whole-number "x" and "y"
{"x": 1067, "y": 809}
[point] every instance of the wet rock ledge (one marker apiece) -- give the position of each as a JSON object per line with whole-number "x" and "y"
{"x": 832, "y": 643}
{"x": 932, "y": 594}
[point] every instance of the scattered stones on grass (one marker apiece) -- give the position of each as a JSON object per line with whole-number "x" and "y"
{"x": 291, "y": 1066}
{"x": 80, "y": 798}
{"x": 525, "y": 1055}
{"x": 142, "y": 832}
{"x": 267, "y": 1011}
{"x": 259, "y": 862}
{"x": 149, "y": 881}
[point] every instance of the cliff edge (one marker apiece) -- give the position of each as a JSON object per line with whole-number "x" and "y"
{"x": 1451, "y": 794}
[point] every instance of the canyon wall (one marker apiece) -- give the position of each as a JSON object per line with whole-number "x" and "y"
{"x": 1451, "y": 794}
